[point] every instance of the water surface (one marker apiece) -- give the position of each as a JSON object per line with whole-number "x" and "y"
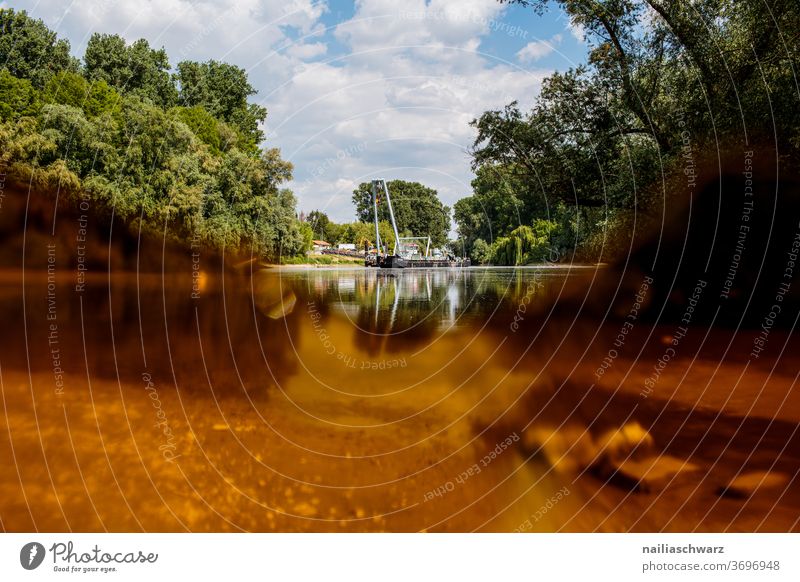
{"x": 364, "y": 400}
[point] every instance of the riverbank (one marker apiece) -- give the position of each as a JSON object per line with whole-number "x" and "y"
{"x": 316, "y": 260}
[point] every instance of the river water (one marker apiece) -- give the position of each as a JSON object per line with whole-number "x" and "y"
{"x": 281, "y": 399}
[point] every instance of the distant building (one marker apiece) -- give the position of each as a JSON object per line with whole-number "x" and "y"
{"x": 347, "y": 247}
{"x": 320, "y": 245}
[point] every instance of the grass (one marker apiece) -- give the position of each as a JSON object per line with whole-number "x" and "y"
{"x": 322, "y": 260}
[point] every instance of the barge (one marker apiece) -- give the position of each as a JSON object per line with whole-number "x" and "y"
{"x": 406, "y": 253}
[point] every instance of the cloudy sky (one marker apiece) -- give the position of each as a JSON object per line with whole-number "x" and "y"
{"x": 355, "y": 90}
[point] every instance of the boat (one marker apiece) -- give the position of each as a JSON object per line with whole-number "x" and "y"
{"x": 405, "y": 253}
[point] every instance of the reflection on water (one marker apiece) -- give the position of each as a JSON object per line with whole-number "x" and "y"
{"x": 389, "y": 309}
{"x": 363, "y": 400}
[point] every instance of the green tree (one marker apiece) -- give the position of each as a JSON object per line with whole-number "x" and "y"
{"x": 320, "y": 224}
{"x": 502, "y": 199}
{"x": 18, "y": 98}
{"x": 481, "y": 252}
{"x": 387, "y": 234}
{"x": 307, "y": 237}
{"x": 417, "y": 209}
{"x": 149, "y": 166}
{"x": 77, "y": 139}
{"x": 334, "y": 232}
{"x": 68, "y": 88}
{"x": 718, "y": 64}
{"x": 357, "y": 233}
{"x": 223, "y": 90}
{"x": 664, "y": 82}
{"x": 524, "y": 245}
{"x": 136, "y": 69}
{"x": 29, "y": 50}
{"x": 204, "y": 125}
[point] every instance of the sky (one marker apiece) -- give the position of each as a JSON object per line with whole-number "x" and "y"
{"x": 354, "y": 90}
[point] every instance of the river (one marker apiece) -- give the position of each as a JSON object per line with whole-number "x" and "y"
{"x": 302, "y": 399}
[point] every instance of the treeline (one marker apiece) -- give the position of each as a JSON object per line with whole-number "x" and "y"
{"x": 417, "y": 210}
{"x": 173, "y": 151}
{"x": 665, "y": 84}
{"x": 356, "y": 232}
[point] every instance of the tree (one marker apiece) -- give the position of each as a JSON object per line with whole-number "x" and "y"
{"x": 722, "y": 62}
{"x": 334, "y": 233}
{"x": 222, "y": 90}
{"x": 481, "y": 252}
{"x": 307, "y": 236}
{"x": 18, "y": 98}
{"x": 68, "y": 88}
{"x": 502, "y": 199}
{"x": 111, "y": 132}
{"x": 319, "y": 223}
{"x": 417, "y": 209}
{"x": 29, "y": 50}
{"x": 613, "y": 23}
{"x": 204, "y": 125}
{"x": 523, "y": 246}
{"x": 75, "y": 137}
{"x": 357, "y": 233}
{"x": 665, "y": 81}
{"x": 387, "y": 234}
{"x": 569, "y": 144}
{"x": 136, "y": 69}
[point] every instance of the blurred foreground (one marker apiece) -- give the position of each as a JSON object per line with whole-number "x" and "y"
{"x": 357, "y": 400}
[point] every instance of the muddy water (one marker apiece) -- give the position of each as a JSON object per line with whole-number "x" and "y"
{"x": 364, "y": 400}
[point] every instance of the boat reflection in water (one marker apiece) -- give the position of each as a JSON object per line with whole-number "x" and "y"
{"x": 379, "y": 400}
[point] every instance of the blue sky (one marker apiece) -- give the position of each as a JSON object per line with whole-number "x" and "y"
{"x": 354, "y": 90}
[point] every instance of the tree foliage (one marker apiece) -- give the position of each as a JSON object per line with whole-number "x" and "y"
{"x": 94, "y": 98}
{"x": 136, "y": 69}
{"x": 29, "y": 50}
{"x": 114, "y": 131}
{"x": 17, "y": 97}
{"x": 320, "y": 224}
{"x": 601, "y": 137}
{"x": 222, "y": 90}
{"x": 417, "y": 209}
{"x": 481, "y": 252}
{"x": 523, "y": 245}
{"x": 357, "y": 233}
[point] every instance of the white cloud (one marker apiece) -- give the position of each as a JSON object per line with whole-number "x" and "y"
{"x": 307, "y": 51}
{"x": 378, "y": 24}
{"x": 239, "y": 31}
{"x": 413, "y": 80}
{"x": 533, "y": 51}
{"x": 412, "y": 119}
